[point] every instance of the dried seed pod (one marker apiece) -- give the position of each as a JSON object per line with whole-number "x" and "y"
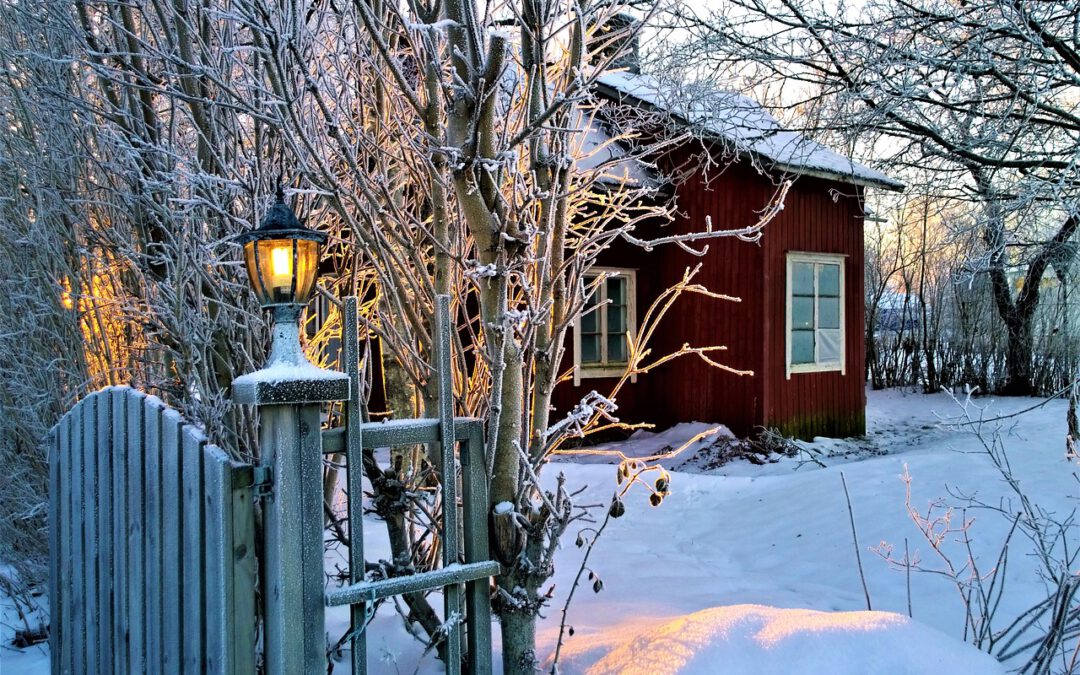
{"x": 662, "y": 484}
{"x": 655, "y": 499}
{"x": 597, "y": 585}
{"x": 617, "y": 508}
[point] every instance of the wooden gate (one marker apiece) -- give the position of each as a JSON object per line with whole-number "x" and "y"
{"x": 153, "y": 543}
{"x": 465, "y": 559}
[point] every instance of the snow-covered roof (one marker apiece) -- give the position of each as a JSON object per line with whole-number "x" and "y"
{"x": 596, "y": 150}
{"x": 739, "y": 120}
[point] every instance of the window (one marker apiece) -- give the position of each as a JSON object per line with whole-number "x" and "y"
{"x": 601, "y": 348}
{"x": 815, "y": 313}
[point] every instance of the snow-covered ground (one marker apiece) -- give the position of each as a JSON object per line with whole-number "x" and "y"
{"x": 704, "y": 579}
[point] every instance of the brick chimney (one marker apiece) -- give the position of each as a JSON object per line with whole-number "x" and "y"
{"x": 618, "y": 35}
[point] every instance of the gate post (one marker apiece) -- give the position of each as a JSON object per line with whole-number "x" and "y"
{"x": 289, "y": 393}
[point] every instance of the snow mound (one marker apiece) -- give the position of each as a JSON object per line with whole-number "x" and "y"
{"x": 756, "y": 639}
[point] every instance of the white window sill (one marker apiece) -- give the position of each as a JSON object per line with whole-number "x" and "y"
{"x": 586, "y": 372}
{"x": 815, "y": 368}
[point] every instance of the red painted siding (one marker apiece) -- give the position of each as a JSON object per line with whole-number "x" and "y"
{"x": 822, "y": 217}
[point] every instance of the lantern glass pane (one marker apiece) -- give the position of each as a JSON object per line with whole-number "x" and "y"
{"x": 253, "y": 272}
{"x": 275, "y": 265}
{"x": 307, "y": 266}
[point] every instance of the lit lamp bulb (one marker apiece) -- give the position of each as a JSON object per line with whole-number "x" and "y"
{"x": 281, "y": 270}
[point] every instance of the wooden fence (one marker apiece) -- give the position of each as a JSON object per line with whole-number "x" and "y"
{"x": 153, "y": 543}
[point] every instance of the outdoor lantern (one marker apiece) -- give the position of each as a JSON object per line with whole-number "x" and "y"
{"x": 282, "y": 260}
{"x": 282, "y": 257}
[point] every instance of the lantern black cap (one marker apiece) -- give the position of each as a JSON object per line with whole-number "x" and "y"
{"x": 281, "y": 223}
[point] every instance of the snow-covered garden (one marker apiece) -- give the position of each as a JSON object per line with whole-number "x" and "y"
{"x": 754, "y": 566}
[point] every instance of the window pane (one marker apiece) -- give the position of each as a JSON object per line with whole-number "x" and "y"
{"x": 829, "y": 280}
{"x": 802, "y": 278}
{"x": 802, "y": 313}
{"x": 616, "y": 348}
{"x": 590, "y": 349}
{"x": 616, "y": 319}
{"x": 828, "y": 312}
{"x": 589, "y": 322}
{"x": 616, "y": 290}
{"x": 802, "y": 346}
{"x": 829, "y": 346}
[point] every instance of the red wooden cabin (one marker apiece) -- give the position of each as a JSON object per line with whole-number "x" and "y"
{"x": 799, "y": 325}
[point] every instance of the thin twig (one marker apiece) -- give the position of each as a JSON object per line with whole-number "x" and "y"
{"x": 855, "y": 538}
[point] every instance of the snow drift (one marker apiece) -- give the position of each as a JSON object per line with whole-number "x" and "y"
{"x": 755, "y": 639}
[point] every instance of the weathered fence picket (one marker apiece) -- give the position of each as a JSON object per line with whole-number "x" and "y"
{"x": 144, "y": 544}
{"x": 172, "y": 594}
{"x": 152, "y": 531}
{"x": 103, "y": 527}
{"x": 193, "y": 561}
{"x": 136, "y": 526}
{"x": 90, "y": 543}
{"x": 117, "y": 399}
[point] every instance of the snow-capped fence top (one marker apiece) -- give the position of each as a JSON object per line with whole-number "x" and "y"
{"x": 153, "y": 543}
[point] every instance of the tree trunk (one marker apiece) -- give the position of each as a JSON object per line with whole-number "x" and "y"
{"x": 519, "y": 642}
{"x": 1018, "y": 356}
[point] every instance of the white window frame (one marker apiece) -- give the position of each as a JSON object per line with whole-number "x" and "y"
{"x": 816, "y": 367}
{"x": 607, "y": 370}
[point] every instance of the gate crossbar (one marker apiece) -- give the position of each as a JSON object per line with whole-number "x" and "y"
{"x": 370, "y": 591}
{"x": 396, "y": 433}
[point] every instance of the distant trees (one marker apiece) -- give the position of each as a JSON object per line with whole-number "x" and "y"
{"x": 984, "y": 93}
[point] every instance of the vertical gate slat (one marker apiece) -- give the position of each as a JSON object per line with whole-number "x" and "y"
{"x": 68, "y": 534}
{"x": 104, "y": 526}
{"x": 171, "y": 505}
{"x": 56, "y": 553}
{"x": 90, "y": 540}
{"x": 477, "y": 592}
{"x": 77, "y": 652}
{"x": 152, "y": 530}
{"x": 354, "y": 480}
{"x": 136, "y": 528}
{"x": 216, "y": 481}
{"x": 241, "y": 557}
{"x": 193, "y": 528}
{"x": 448, "y": 465}
{"x": 230, "y": 565}
{"x": 118, "y": 398}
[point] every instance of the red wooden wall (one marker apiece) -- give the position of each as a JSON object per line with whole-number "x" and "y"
{"x": 823, "y": 217}
{"x": 753, "y": 329}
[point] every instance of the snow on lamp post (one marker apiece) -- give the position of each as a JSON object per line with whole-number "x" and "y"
{"x": 282, "y": 259}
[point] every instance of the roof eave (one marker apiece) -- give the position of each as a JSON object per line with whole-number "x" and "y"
{"x": 851, "y": 179}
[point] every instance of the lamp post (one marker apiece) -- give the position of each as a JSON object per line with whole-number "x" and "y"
{"x": 282, "y": 258}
